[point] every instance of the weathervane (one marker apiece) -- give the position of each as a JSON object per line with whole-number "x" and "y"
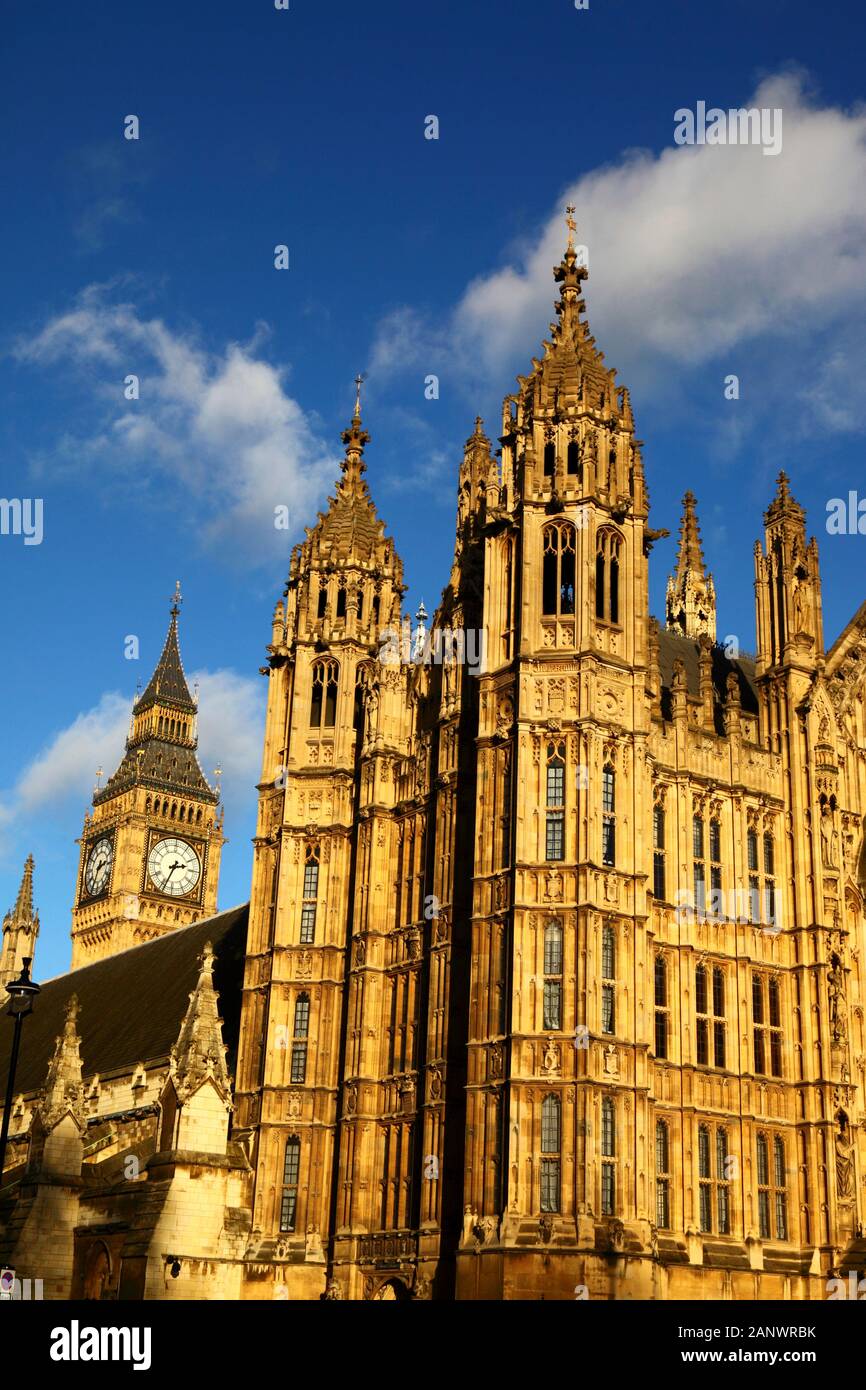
{"x": 359, "y": 381}
{"x": 176, "y": 599}
{"x": 571, "y": 225}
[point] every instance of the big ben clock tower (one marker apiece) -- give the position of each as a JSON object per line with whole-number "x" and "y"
{"x": 150, "y": 849}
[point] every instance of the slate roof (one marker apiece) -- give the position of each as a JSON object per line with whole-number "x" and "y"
{"x": 132, "y": 1004}
{"x": 673, "y": 645}
{"x": 168, "y": 684}
{"x": 164, "y": 765}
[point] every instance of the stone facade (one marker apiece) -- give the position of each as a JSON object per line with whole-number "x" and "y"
{"x": 553, "y": 977}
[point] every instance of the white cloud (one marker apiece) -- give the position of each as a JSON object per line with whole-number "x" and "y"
{"x": 691, "y": 253}
{"x": 231, "y": 730}
{"x": 231, "y": 720}
{"x": 66, "y": 766}
{"x": 222, "y": 424}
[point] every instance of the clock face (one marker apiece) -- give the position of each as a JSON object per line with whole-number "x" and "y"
{"x": 97, "y": 871}
{"x": 174, "y": 867}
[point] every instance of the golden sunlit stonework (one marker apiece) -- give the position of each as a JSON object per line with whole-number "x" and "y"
{"x": 551, "y": 980}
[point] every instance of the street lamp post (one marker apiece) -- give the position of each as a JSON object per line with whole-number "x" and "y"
{"x": 22, "y": 993}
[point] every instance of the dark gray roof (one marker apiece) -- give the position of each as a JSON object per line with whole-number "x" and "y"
{"x": 673, "y": 645}
{"x": 132, "y": 1004}
{"x": 164, "y": 766}
{"x": 168, "y": 682}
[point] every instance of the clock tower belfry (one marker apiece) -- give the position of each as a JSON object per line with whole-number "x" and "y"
{"x": 150, "y": 848}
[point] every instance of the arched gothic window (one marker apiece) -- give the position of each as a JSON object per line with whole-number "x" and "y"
{"x": 323, "y": 710}
{"x": 607, "y": 567}
{"x": 558, "y": 570}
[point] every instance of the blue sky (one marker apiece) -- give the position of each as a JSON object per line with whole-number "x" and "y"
{"x": 407, "y": 257}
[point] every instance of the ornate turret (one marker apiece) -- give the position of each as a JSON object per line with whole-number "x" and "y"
{"x": 63, "y": 1090}
{"x": 196, "y": 1100}
{"x": 345, "y": 579}
{"x": 59, "y": 1117}
{"x": 199, "y": 1053}
{"x": 20, "y": 929}
{"x": 787, "y": 586}
{"x": 690, "y": 603}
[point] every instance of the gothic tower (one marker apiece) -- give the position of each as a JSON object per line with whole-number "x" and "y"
{"x": 562, "y": 734}
{"x": 690, "y": 603}
{"x": 319, "y": 833}
{"x": 150, "y": 849}
{"x": 20, "y": 929}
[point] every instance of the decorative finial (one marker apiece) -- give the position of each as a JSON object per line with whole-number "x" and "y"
{"x": 359, "y": 382}
{"x": 218, "y": 772}
{"x": 177, "y": 599}
{"x": 99, "y": 776}
{"x": 570, "y": 224}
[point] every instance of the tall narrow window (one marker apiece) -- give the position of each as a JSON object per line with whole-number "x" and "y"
{"x": 608, "y": 979}
{"x": 300, "y": 1030}
{"x": 661, "y": 1007}
{"x": 505, "y": 836}
{"x": 555, "y": 814}
{"x": 323, "y": 710}
{"x": 767, "y": 1025}
{"x": 762, "y": 885}
{"x": 549, "y": 459}
{"x": 710, "y": 1016}
{"x": 608, "y": 1157}
{"x": 705, "y": 1179}
{"x": 769, "y": 881}
{"x": 663, "y": 1176}
{"x": 780, "y": 1189}
{"x": 291, "y": 1171}
{"x": 323, "y": 603}
{"x": 614, "y": 587}
{"x": 551, "y": 1129}
{"x": 558, "y": 570}
{"x": 311, "y": 893}
{"x": 608, "y": 815}
{"x": 341, "y": 602}
{"x": 659, "y": 853}
{"x": 700, "y": 872}
{"x": 754, "y": 882}
{"x": 763, "y": 1186}
{"x": 553, "y": 976}
{"x": 716, "y": 901}
{"x": 572, "y": 458}
{"x": 723, "y": 1199}
{"x": 507, "y": 585}
{"x": 607, "y": 575}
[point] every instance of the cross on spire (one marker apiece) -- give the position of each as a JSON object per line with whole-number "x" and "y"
{"x": 359, "y": 382}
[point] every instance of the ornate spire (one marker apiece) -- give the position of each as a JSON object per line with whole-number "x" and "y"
{"x": 355, "y": 438}
{"x": 168, "y": 683}
{"x": 691, "y": 596}
{"x": 161, "y": 747}
{"x": 63, "y": 1090}
{"x": 23, "y": 909}
{"x": 20, "y": 928}
{"x": 350, "y": 530}
{"x": 783, "y": 506}
{"x": 691, "y": 555}
{"x": 199, "y": 1053}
